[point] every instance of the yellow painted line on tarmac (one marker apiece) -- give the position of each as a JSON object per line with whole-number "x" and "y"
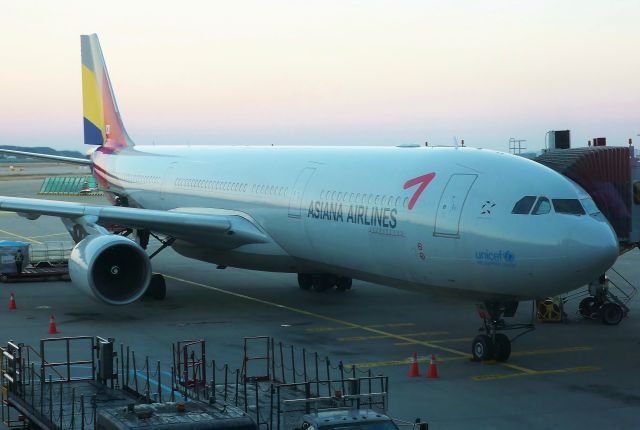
{"x": 403, "y": 362}
{"x": 551, "y": 351}
{"x": 546, "y": 351}
{"x": 332, "y": 329}
{"x": 49, "y": 235}
{"x": 378, "y": 337}
{"x": 536, "y": 373}
{"x": 452, "y": 340}
{"x": 28, "y": 239}
{"x": 322, "y": 317}
{"x": 342, "y": 322}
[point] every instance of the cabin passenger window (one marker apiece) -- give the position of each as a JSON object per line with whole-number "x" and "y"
{"x": 543, "y": 206}
{"x": 568, "y": 206}
{"x": 523, "y": 206}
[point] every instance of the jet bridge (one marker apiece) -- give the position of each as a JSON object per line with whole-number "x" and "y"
{"x": 611, "y": 176}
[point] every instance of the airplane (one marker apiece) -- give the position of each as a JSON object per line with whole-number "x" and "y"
{"x": 488, "y": 226}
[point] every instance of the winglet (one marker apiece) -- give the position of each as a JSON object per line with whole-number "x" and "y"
{"x": 102, "y": 122}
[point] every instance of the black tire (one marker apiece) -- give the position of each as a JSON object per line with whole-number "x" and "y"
{"x": 157, "y": 287}
{"x": 305, "y": 281}
{"x": 343, "y": 283}
{"x": 587, "y": 307}
{"x": 501, "y": 347}
{"x": 323, "y": 282}
{"x": 482, "y": 348}
{"x": 611, "y": 313}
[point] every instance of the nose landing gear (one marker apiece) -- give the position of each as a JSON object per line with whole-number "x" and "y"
{"x": 493, "y": 345}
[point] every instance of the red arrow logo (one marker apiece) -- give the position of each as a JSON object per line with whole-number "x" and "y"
{"x": 423, "y": 181}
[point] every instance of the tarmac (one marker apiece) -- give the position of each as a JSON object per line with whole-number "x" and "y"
{"x": 575, "y": 375}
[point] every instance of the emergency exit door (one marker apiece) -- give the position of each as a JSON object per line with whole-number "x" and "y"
{"x": 295, "y": 202}
{"x": 451, "y": 205}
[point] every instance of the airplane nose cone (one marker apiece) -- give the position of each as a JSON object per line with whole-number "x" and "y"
{"x": 592, "y": 249}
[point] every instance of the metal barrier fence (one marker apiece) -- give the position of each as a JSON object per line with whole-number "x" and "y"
{"x": 64, "y": 383}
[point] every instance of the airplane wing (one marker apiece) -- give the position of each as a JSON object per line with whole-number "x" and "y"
{"x": 224, "y": 230}
{"x": 70, "y": 160}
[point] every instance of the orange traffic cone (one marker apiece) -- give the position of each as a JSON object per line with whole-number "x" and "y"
{"x": 413, "y": 368}
{"x": 433, "y": 370}
{"x": 52, "y": 325}
{"x": 12, "y": 302}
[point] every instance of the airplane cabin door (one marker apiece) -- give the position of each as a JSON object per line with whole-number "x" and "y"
{"x": 295, "y": 202}
{"x": 451, "y": 205}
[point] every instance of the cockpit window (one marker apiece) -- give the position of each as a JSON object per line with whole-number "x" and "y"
{"x": 523, "y": 206}
{"x": 543, "y": 206}
{"x": 568, "y": 206}
{"x": 590, "y": 206}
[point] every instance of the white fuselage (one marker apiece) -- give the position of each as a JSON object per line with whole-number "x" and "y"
{"x": 345, "y": 210}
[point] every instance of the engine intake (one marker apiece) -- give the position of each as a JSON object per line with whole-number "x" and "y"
{"x": 111, "y": 268}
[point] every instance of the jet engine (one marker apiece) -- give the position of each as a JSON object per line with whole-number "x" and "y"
{"x": 112, "y": 268}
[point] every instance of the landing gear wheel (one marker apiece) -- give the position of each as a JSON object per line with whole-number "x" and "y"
{"x": 323, "y": 282}
{"x": 587, "y": 307}
{"x": 611, "y": 313}
{"x": 501, "y": 347}
{"x": 343, "y": 283}
{"x": 305, "y": 281}
{"x": 157, "y": 287}
{"x": 482, "y": 348}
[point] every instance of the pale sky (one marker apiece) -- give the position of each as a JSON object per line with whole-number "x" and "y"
{"x": 327, "y": 72}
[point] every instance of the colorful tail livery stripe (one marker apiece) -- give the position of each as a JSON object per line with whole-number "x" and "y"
{"x": 102, "y": 122}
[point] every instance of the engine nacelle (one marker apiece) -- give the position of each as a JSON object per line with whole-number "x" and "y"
{"x": 112, "y": 268}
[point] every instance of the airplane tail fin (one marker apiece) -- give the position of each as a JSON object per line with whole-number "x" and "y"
{"x": 102, "y": 122}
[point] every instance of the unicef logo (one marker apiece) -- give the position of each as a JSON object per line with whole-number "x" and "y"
{"x": 509, "y": 257}
{"x": 495, "y": 257}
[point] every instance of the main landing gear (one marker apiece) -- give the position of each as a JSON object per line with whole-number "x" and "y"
{"x": 493, "y": 345}
{"x": 323, "y": 281}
